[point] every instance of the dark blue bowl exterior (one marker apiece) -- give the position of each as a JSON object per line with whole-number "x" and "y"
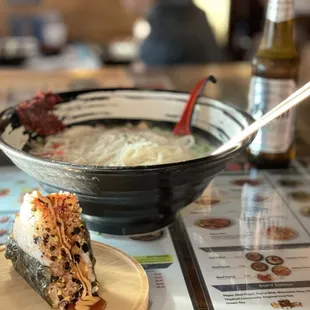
{"x": 127, "y": 201}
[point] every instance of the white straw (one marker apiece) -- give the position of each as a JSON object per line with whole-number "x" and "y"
{"x": 297, "y": 97}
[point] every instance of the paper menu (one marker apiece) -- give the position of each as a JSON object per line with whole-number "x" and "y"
{"x": 232, "y": 283}
{"x": 241, "y": 217}
{"x": 295, "y": 191}
{"x": 246, "y": 216}
{"x": 168, "y": 289}
{"x": 13, "y": 186}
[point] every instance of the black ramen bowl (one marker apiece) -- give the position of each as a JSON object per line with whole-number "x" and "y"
{"x": 130, "y": 200}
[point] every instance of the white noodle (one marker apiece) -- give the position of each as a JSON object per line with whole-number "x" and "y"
{"x": 120, "y": 146}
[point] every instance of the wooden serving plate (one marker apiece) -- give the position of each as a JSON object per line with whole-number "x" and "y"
{"x": 124, "y": 284}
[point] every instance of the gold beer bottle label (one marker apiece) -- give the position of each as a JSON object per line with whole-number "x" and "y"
{"x": 264, "y": 95}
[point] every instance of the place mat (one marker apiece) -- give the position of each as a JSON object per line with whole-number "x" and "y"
{"x": 249, "y": 235}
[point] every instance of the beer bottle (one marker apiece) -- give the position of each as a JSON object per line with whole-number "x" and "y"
{"x": 274, "y": 77}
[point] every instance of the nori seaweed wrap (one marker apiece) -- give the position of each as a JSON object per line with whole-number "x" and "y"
{"x": 50, "y": 248}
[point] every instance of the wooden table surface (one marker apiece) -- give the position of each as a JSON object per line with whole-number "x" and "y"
{"x": 232, "y": 86}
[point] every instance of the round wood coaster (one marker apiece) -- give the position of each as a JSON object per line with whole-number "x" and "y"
{"x": 124, "y": 284}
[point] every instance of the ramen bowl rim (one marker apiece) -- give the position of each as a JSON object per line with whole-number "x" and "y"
{"x": 112, "y": 169}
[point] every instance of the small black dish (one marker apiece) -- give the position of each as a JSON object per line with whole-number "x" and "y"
{"x": 130, "y": 200}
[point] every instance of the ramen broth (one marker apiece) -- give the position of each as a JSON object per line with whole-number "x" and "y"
{"x": 124, "y": 146}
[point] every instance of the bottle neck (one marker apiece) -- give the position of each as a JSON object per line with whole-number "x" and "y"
{"x": 279, "y": 27}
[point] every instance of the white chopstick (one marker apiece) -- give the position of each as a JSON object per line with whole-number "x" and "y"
{"x": 293, "y": 100}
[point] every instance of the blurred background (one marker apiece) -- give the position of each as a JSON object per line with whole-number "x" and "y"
{"x": 74, "y": 34}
